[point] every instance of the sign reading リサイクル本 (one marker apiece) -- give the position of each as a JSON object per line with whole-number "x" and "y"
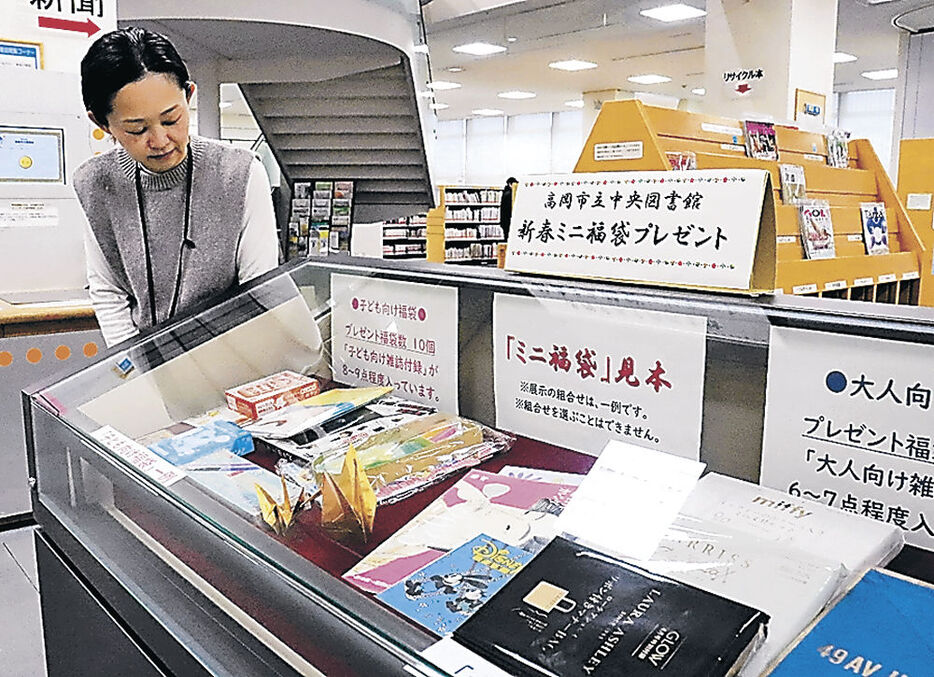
{"x": 398, "y": 334}
{"x": 687, "y": 228}
{"x": 579, "y": 374}
{"x": 849, "y": 423}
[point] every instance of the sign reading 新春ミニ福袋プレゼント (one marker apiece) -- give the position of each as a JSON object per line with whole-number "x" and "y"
{"x": 696, "y": 228}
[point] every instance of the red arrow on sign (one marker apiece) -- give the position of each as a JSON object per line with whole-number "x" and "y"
{"x": 86, "y": 26}
{"x": 744, "y": 88}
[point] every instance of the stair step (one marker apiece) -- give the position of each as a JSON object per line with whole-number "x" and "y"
{"x": 392, "y": 172}
{"x": 345, "y": 141}
{"x": 372, "y": 87}
{"x": 346, "y": 107}
{"x": 360, "y": 156}
{"x": 376, "y": 186}
{"x": 370, "y": 124}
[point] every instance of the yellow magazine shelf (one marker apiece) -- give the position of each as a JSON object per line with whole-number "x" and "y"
{"x": 718, "y": 143}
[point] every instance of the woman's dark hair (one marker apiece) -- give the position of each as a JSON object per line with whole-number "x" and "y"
{"x": 123, "y": 56}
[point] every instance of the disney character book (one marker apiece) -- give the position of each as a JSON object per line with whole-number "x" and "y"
{"x": 575, "y": 612}
{"x": 446, "y": 593}
{"x": 875, "y": 227}
{"x": 521, "y": 513}
{"x": 816, "y": 229}
{"x": 881, "y": 628}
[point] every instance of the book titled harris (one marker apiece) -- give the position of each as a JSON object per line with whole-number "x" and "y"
{"x": 573, "y": 611}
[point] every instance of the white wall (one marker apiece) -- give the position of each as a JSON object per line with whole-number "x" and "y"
{"x": 486, "y": 151}
{"x": 870, "y": 114}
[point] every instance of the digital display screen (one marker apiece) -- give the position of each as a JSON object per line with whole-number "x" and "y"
{"x": 32, "y": 155}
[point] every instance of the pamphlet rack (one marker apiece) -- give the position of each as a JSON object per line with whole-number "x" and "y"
{"x": 718, "y": 143}
{"x": 472, "y": 212}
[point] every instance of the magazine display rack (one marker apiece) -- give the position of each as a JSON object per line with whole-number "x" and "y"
{"x": 718, "y": 143}
{"x": 464, "y": 227}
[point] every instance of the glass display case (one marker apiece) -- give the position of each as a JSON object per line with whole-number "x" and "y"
{"x": 193, "y": 586}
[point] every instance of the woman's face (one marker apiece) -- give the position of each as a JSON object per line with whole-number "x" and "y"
{"x": 150, "y": 120}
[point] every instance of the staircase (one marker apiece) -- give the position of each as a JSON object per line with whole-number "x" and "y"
{"x": 362, "y": 127}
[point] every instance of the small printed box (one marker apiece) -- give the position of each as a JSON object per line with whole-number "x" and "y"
{"x": 270, "y": 393}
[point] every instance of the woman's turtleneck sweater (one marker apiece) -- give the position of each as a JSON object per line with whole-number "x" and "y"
{"x": 232, "y": 225}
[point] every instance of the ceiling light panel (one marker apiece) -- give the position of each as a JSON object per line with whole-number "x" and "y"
{"x": 516, "y": 94}
{"x": 438, "y": 106}
{"x": 649, "y": 79}
{"x": 886, "y": 74}
{"x": 668, "y": 13}
{"x": 572, "y": 65}
{"x": 843, "y": 57}
{"x": 700, "y": 91}
{"x": 575, "y": 103}
{"x": 479, "y": 49}
{"x": 443, "y": 84}
{"x": 489, "y": 112}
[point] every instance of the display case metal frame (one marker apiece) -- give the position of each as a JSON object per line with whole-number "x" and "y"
{"x": 200, "y": 590}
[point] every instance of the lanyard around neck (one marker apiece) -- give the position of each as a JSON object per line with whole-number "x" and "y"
{"x": 186, "y": 242}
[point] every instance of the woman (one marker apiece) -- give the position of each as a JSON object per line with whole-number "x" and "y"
{"x": 173, "y": 219}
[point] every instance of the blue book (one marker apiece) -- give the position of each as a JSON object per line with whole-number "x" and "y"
{"x": 205, "y": 439}
{"x": 882, "y": 628}
{"x": 446, "y": 593}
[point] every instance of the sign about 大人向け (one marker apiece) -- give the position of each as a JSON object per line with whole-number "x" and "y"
{"x": 848, "y": 423}
{"x": 686, "y": 228}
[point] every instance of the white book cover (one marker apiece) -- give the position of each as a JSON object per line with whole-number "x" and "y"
{"x": 231, "y": 478}
{"x": 860, "y": 543}
{"x": 816, "y": 229}
{"x": 875, "y": 227}
{"x": 794, "y": 187}
{"x": 791, "y": 586}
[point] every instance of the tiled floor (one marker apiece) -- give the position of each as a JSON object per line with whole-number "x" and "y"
{"x": 21, "y": 648}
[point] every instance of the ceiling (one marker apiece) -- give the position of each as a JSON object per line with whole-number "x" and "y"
{"x": 614, "y": 35}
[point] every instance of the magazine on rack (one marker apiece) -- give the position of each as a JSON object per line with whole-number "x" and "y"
{"x": 816, "y": 229}
{"x": 761, "y": 142}
{"x": 875, "y": 227}
{"x": 794, "y": 188}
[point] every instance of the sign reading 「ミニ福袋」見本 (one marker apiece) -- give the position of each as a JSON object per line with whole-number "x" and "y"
{"x": 581, "y": 374}
{"x": 695, "y": 228}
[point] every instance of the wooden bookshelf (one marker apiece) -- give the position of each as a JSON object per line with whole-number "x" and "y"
{"x": 719, "y": 144}
{"x": 467, "y": 208}
{"x": 405, "y": 238}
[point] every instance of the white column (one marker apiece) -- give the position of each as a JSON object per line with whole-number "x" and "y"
{"x": 791, "y": 41}
{"x": 204, "y": 73}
